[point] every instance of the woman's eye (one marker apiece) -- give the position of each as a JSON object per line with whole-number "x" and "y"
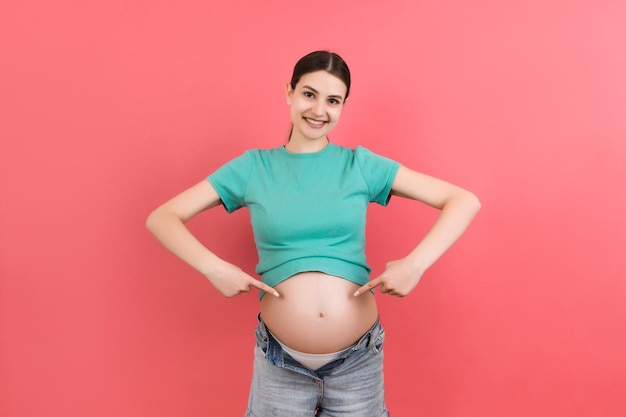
{"x": 333, "y": 101}
{"x": 308, "y": 94}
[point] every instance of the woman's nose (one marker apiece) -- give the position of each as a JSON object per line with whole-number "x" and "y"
{"x": 318, "y": 108}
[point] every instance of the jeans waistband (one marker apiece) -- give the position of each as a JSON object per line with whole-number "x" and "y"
{"x": 372, "y": 340}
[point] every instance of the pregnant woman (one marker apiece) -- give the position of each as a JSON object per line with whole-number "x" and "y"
{"x": 319, "y": 342}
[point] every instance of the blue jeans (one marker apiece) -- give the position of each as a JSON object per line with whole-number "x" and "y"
{"x": 351, "y": 385}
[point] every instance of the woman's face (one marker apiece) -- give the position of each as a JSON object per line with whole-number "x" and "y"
{"x": 316, "y": 104}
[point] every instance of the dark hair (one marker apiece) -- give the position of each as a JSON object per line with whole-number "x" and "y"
{"x": 322, "y": 61}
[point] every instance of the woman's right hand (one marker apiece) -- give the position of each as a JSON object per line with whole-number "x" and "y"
{"x": 167, "y": 225}
{"x": 231, "y": 280}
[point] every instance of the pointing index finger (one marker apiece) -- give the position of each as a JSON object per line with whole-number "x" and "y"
{"x": 372, "y": 284}
{"x": 264, "y": 287}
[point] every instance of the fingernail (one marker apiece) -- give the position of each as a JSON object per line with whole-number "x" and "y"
{"x": 356, "y": 293}
{"x": 276, "y": 294}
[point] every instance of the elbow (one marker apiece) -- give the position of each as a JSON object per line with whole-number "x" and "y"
{"x": 465, "y": 200}
{"x": 149, "y": 222}
{"x": 152, "y": 220}
{"x": 161, "y": 220}
{"x": 473, "y": 202}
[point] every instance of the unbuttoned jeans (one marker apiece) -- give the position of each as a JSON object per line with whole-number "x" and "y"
{"x": 351, "y": 385}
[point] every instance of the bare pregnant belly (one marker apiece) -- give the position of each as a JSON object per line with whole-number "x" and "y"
{"x": 318, "y": 313}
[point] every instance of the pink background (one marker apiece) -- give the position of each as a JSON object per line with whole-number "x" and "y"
{"x": 110, "y": 108}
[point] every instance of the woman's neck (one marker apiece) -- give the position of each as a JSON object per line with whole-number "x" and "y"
{"x": 306, "y": 146}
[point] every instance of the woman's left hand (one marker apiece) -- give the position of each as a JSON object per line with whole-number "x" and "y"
{"x": 399, "y": 279}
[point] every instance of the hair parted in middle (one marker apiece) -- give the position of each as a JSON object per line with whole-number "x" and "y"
{"x": 322, "y": 61}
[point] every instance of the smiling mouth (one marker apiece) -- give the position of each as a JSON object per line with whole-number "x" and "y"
{"x": 315, "y": 122}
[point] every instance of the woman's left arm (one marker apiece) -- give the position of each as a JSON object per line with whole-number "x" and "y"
{"x": 458, "y": 208}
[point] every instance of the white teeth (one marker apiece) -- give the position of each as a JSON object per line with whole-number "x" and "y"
{"x": 315, "y": 122}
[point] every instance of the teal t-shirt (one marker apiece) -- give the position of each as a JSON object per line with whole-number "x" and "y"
{"x": 307, "y": 210}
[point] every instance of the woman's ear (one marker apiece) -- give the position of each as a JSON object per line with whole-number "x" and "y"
{"x": 288, "y": 92}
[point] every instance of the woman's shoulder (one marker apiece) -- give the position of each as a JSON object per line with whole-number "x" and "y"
{"x": 361, "y": 153}
{"x": 256, "y": 153}
{"x": 265, "y": 151}
{"x": 356, "y": 150}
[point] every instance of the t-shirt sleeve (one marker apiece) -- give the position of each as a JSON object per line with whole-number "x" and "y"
{"x": 379, "y": 173}
{"x": 231, "y": 181}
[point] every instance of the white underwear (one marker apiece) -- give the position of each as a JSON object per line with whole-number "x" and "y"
{"x": 312, "y": 361}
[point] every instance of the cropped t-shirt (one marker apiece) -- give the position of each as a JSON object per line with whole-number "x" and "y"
{"x": 307, "y": 210}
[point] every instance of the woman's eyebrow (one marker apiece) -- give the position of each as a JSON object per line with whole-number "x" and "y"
{"x": 317, "y": 92}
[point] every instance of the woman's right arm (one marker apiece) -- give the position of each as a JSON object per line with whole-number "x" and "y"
{"x": 167, "y": 224}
